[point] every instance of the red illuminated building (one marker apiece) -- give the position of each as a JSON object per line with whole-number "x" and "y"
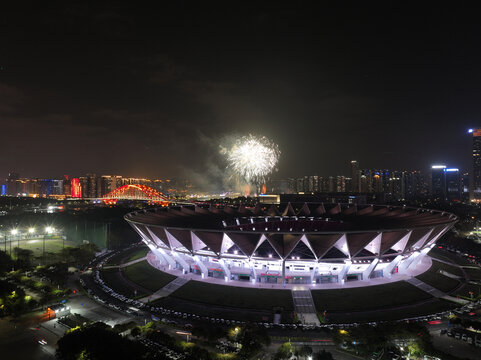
{"x": 75, "y": 188}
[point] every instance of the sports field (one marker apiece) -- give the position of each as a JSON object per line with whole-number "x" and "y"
{"x": 52, "y": 245}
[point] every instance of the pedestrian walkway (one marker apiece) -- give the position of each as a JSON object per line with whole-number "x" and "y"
{"x": 166, "y": 290}
{"x": 434, "y": 292}
{"x": 125, "y": 264}
{"x": 133, "y": 262}
{"x": 304, "y": 306}
{"x": 426, "y": 288}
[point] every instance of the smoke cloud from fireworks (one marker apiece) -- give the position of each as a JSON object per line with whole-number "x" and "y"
{"x": 252, "y": 158}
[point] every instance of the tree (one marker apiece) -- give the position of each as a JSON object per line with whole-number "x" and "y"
{"x": 97, "y": 341}
{"x": 24, "y": 257}
{"x": 198, "y": 353}
{"x": 322, "y": 355}
{"x": 135, "y": 331}
{"x": 304, "y": 350}
{"x": 285, "y": 351}
{"x": 6, "y": 262}
{"x": 253, "y": 339}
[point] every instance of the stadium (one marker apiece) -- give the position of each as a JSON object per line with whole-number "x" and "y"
{"x": 308, "y": 243}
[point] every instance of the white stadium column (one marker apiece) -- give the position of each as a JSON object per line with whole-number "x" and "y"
{"x": 200, "y": 264}
{"x": 366, "y": 273}
{"x": 314, "y": 273}
{"x": 157, "y": 256}
{"x": 160, "y": 253}
{"x": 225, "y": 268}
{"x": 404, "y": 265}
{"x": 387, "y": 271}
{"x": 418, "y": 258}
{"x": 344, "y": 271}
{"x": 253, "y": 270}
{"x": 181, "y": 262}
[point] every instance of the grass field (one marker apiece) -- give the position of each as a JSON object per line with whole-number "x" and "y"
{"x": 436, "y": 266}
{"x": 368, "y": 298}
{"x": 140, "y": 253}
{"x": 232, "y": 296}
{"x": 448, "y": 256}
{"x": 145, "y": 275}
{"x": 128, "y": 255}
{"x": 113, "y": 278}
{"x": 464, "y": 291}
{"x": 439, "y": 281}
{"x": 473, "y": 273}
{"x": 220, "y": 311}
{"x": 54, "y": 245}
{"x": 428, "y": 308}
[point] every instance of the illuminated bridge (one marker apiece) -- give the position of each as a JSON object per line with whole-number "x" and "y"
{"x": 135, "y": 192}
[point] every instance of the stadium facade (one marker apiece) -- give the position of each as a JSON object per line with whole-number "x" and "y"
{"x": 299, "y": 243}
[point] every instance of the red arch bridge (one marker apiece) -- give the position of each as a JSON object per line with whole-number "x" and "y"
{"x": 135, "y": 192}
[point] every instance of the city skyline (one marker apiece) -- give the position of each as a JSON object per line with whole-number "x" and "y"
{"x": 398, "y": 91}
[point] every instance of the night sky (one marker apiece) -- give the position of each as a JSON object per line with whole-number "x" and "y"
{"x": 139, "y": 91}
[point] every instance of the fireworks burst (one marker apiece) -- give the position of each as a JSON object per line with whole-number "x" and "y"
{"x": 253, "y": 158}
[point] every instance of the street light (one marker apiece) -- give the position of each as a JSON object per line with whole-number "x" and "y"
{"x": 31, "y": 230}
{"x": 14, "y": 231}
{"x": 49, "y": 229}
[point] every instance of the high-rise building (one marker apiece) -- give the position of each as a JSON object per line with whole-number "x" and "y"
{"x": 414, "y": 185}
{"x": 340, "y": 183}
{"x": 66, "y": 186}
{"x": 91, "y": 186}
{"x": 83, "y": 186}
{"x": 453, "y": 184}
{"x": 377, "y": 182}
{"x": 356, "y": 185}
{"x": 57, "y": 187}
{"x": 475, "y": 178}
{"x": 438, "y": 182}
{"x": 12, "y": 188}
{"x": 45, "y": 187}
{"x": 465, "y": 187}
{"x": 75, "y": 188}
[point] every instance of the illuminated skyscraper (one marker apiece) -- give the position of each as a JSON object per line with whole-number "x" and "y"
{"x": 475, "y": 178}
{"x": 438, "y": 182}
{"x": 453, "y": 184}
{"x": 355, "y": 177}
{"x": 75, "y": 188}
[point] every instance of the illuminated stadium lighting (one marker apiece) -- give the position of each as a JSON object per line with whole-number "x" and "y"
{"x": 14, "y": 231}
{"x": 31, "y": 230}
